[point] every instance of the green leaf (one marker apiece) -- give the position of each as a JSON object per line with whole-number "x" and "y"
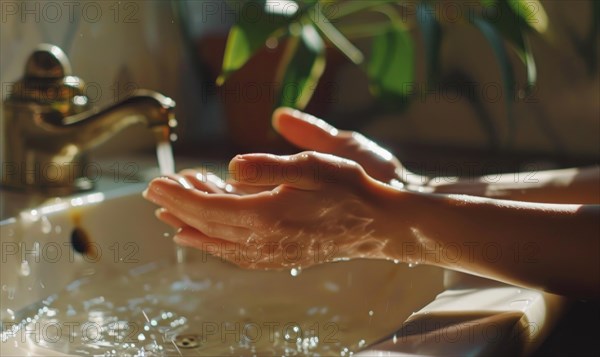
{"x": 432, "y": 39}
{"x": 335, "y": 36}
{"x": 501, "y": 16}
{"x": 252, "y": 29}
{"x": 351, "y": 7}
{"x": 506, "y": 69}
{"x": 531, "y": 12}
{"x": 391, "y": 65}
{"x": 488, "y": 2}
{"x": 513, "y": 32}
{"x": 304, "y": 69}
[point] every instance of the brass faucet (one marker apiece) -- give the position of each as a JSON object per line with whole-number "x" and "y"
{"x": 49, "y": 126}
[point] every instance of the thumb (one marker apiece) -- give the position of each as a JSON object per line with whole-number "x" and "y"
{"x": 305, "y": 130}
{"x": 307, "y": 170}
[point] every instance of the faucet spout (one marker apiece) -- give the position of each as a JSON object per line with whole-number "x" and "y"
{"x": 49, "y": 128}
{"x": 91, "y": 128}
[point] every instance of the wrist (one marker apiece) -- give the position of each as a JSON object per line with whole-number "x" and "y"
{"x": 402, "y": 213}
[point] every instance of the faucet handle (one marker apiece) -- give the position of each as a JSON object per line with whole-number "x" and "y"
{"x": 47, "y": 62}
{"x": 48, "y": 83}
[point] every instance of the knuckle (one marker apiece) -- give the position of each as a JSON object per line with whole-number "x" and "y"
{"x": 307, "y": 157}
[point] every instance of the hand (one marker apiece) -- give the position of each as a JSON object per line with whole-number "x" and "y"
{"x": 310, "y": 133}
{"x": 324, "y": 208}
{"x": 204, "y": 181}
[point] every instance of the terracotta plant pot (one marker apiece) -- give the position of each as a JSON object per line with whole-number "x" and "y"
{"x": 249, "y": 96}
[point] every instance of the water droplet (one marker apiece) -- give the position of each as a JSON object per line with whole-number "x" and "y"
{"x": 295, "y": 271}
{"x": 141, "y": 337}
{"x": 46, "y": 225}
{"x": 371, "y": 313}
{"x": 25, "y": 268}
{"x": 71, "y": 311}
{"x": 362, "y": 343}
{"x": 396, "y": 261}
{"x": 166, "y": 235}
{"x": 173, "y": 137}
{"x": 57, "y": 229}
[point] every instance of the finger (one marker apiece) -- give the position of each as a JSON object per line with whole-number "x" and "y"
{"x": 307, "y": 170}
{"x": 312, "y": 133}
{"x": 306, "y": 131}
{"x": 240, "y": 188}
{"x": 215, "y": 230}
{"x": 190, "y": 237}
{"x": 246, "y": 256}
{"x": 180, "y": 180}
{"x": 196, "y": 207}
{"x": 169, "y": 218}
{"x": 206, "y": 181}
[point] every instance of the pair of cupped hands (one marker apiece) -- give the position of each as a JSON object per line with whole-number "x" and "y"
{"x": 327, "y": 204}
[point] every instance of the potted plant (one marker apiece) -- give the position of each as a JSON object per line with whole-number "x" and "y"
{"x": 291, "y": 42}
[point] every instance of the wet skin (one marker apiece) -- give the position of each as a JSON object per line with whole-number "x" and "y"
{"x": 350, "y": 198}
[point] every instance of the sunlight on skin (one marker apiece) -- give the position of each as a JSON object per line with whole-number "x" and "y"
{"x": 349, "y": 202}
{"x": 373, "y": 147}
{"x": 310, "y": 133}
{"x": 319, "y": 123}
{"x": 320, "y": 212}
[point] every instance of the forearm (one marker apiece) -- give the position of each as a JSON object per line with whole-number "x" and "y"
{"x": 556, "y": 186}
{"x": 543, "y": 246}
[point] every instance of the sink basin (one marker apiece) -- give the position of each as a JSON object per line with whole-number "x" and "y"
{"x": 97, "y": 274}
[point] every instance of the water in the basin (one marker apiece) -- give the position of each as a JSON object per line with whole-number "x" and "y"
{"x": 156, "y": 310}
{"x": 189, "y": 308}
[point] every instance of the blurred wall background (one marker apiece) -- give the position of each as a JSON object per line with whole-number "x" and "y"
{"x": 115, "y": 47}
{"x": 119, "y": 45}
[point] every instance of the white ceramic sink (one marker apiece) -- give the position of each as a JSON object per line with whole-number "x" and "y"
{"x": 133, "y": 292}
